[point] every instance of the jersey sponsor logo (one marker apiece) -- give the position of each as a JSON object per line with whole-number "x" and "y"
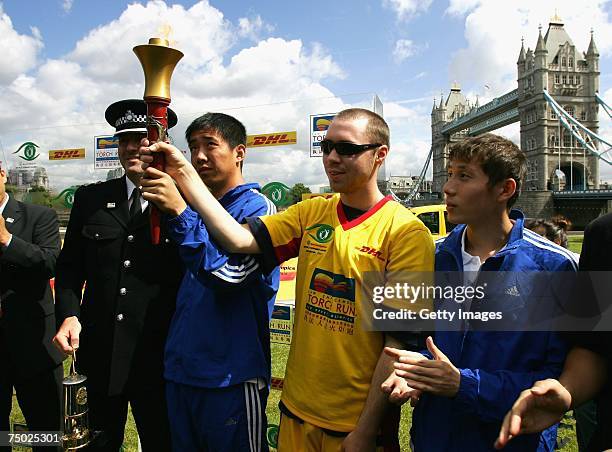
{"x": 330, "y": 302}
{"x": 333, "y": 284}
{"x": 371, "y": 251}
{"x": 323, "y": 233}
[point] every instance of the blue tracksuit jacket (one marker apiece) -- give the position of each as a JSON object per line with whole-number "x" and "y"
{"x": 219, "y": 335}
{"x": 495, "y": 366}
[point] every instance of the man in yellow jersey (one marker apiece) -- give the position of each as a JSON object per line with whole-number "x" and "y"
{"x": 331, "y": 399}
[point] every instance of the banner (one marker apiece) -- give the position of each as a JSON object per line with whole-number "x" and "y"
{"x": 281, "y": 324}
{"x": 318, "y": 129}
{"x": 272, "y": 139}
{"x": 67, "y": 154}
{"x": 278, "y": 193}
{"x": 106, "y": 152}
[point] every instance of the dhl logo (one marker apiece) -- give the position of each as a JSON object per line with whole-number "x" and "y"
{"x": 67, "y": 154}
{"x": 371, "y": 251}
{"x": 272, "y": 139}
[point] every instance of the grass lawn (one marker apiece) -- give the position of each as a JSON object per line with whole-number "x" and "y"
{"x": 567, "y": 434}
{"x": 574, "y": 243}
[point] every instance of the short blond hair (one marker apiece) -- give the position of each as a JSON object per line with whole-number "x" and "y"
{"x": 377, "y": 129}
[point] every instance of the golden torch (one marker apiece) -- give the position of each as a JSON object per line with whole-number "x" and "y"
{"x": 158, "y": 61}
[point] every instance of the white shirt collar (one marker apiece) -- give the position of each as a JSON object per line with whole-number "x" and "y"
{"x": 4, "y": 203}
{"x": 470, "y": 263}
{"x": 130, "y": 188}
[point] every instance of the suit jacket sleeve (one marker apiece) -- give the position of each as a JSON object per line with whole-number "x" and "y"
{"x": 39, "y": 257}
{"x": 71, "y": 265}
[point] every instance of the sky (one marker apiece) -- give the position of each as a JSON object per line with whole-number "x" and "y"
{"x": 271, "y": 64}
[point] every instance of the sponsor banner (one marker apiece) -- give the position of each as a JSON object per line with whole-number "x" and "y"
{"x": 286, "y": 289}
{"x": 278, "y": 193}
{"x": 67, "y": 154}
{"x": 318, "y": 129}
{"x": 28, "y": 151}
{"x": 106, "y": 152}
{"x": 281, "y": 324}
{"x": 272, "y": 139}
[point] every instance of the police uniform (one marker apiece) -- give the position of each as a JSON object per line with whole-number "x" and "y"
{"x": 128, "y": 300}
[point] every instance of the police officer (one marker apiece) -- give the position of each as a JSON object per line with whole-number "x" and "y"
{"x": 120, "y": 321}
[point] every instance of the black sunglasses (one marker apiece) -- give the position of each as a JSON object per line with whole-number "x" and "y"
{"x": 345, "y": 148}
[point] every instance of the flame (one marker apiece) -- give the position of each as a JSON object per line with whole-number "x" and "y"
{"x": 164, "y": 31}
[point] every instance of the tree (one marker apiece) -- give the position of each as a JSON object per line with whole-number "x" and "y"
{"x": 38, "y": 195}
{"x": 297, "y": 190}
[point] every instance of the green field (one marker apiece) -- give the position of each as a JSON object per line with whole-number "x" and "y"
{"x": 567, "y": 435}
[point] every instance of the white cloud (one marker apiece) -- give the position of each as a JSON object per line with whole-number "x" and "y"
{"x": 253, "y": 28}
{"x": 67, "y": 5}
{"x": 404, "y": 49}
{"x": 407, "y": 9}
{"x": 19, "y": 52}
{"x": 272, "y": 85}
{"x": 410, "y": 137}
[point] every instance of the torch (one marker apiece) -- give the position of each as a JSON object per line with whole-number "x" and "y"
{"x": 158, "y": 60}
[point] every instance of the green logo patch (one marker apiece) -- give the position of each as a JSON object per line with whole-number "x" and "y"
{"x": 29, "y": 151}
{"x": 323, "y": 232}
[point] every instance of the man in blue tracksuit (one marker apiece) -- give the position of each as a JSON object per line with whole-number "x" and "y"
{"x": 217, "y": 359}
{"x": 468, "y": 378}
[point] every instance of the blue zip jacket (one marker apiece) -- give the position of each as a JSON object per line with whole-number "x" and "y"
{"x": 219, "y": 335}
{"x": 495, "y": 366}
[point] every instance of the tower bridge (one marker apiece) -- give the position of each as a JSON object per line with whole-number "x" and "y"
{"x": 554, "y": 81}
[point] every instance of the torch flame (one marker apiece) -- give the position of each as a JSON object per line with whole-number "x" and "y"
{"x": 165, "y": 30}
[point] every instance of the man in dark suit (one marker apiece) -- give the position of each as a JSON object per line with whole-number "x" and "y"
{"x": 29, "y": 246}
{"x": 129, "y": 296}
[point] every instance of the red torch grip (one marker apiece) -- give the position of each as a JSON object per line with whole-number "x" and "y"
{"x": 157, "y": 114}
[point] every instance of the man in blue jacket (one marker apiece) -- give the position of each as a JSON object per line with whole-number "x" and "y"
{"x": 468, "y": 378}
{"x": 217, "y": 360}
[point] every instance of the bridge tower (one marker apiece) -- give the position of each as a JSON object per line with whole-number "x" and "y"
{"x": 572, "y": 79}
{"x": 456, "y": 105}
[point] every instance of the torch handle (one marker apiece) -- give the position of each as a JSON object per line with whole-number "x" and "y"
{"x": 157, "y": 125}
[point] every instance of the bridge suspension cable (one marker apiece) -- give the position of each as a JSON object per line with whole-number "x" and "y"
{"x": 415, "y": 188}
{"x": 605, "y": 106}
{"x": 587, "y": 138}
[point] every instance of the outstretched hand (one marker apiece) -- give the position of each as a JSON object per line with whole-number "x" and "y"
{"x": 536, "y": 409}
{"x": 437, "y": 376}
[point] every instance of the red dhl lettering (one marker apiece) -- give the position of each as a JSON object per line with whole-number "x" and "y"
{"x": 371, "y": 251}
{"x": 271, "y": 139}
{"x": 66, "y": 154}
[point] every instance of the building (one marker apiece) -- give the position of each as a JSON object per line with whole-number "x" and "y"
{"x": 25, "y": 177}
{"x": 571, "y": 77}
